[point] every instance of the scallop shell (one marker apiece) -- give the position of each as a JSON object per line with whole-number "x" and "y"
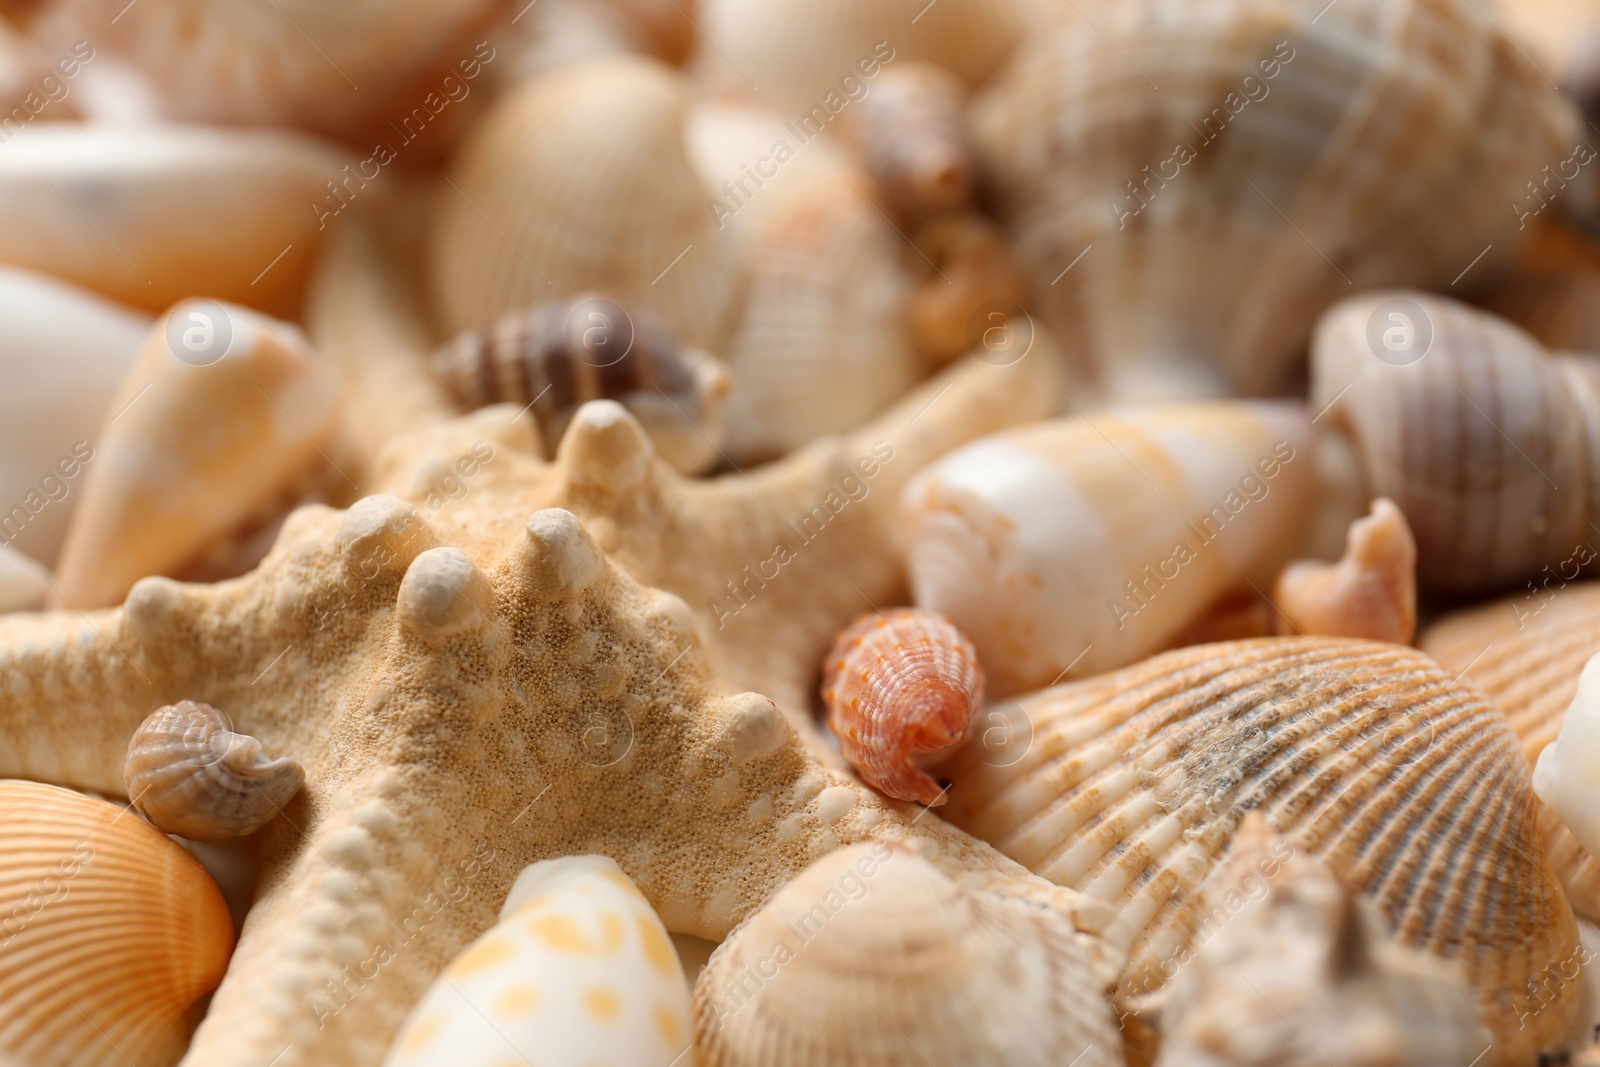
{"x": 900, "y": 688}
{"x": 1082, "y": 544}
{"x": 910, "y": 134}
{"x": 1407, "y": 784}
{"x": 579, "y": 972}
{"x": 109, "y": 933}
{"x": 1227, "y": 169}
{"x": 1293, "y": 971}
{"x": 222, "y": 410}
{"x": 578, "y": 182}
{"x": 154, "y": 215}
{"x": 24, "y": 583}
{"x": 1371, "y": 592}
{"x": 871, "y": 957}
{"x": 556, "y": 357}
{"x": 1486, "y": 443}
{"x": 191, "y": 775}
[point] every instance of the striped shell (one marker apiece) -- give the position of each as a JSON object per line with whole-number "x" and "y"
{"x": 1227, "y": 168}
{"x": 1408, "y": 785}
{"x": 1487, "y": 443}
{"x": 900, "y": 688}
{"x": 871, "y": 958}
{"x": 579, "y": 972}
{"x": 109, "y": 933}
{"x": 191, "y": 775}
{"x": 1371, "y": 592}
{"x": 910, "y": 133}
{"x": 556, "y": 357}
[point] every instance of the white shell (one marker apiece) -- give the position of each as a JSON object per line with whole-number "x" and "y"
{"x": 1564, "y": 776}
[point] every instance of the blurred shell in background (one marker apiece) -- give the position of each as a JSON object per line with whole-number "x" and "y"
{"x": 910, "y": 134}
{"x": 24, "y": 582}
{"x": 1226, "y": 169}
{"x": 552, "y": 33}
{"x": 1554, "y": 292}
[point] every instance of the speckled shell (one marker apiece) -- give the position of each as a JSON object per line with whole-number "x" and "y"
{"x": 579, "y": 972}
{"x": 578, "y": 182}
{"x": 910, "y": 134}
{"x": 900, "y": 688}
{"x": 1080, "y": 545}
{"x": 154, "y": 215}
{"x": 556, "y": 357}
{"x": 191, "y": 775}
{"x": 1489, "y": 445}
{"x": 1227, "y": 169}
{"x": 1407, "y": 784}
{"x": 127, "y": 928}
{"x": 1371, "y": 592}
{"x": 196, "y": 444}
{"x": 871, "y": 958}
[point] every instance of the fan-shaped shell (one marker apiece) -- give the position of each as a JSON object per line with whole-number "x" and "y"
{"x": 900, "y": 688}
{"x": 1082, "y": 544}
{"x": 579, "y": 972}
{"x": 1486, "y": 443}
{"x": 578, "y": 182}
{"x": 1227, "y": 169}
{"x": 109, "y": 933}
{"x": 1406, "y": 783}
{"x": 870, "y": 957}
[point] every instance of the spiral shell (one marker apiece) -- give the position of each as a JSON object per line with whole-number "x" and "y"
{"x": 1249, "y": 149}
{"x": 971, "y": 286}
{"x": 900, "y": 688}
{"x": 109, "y": 933}
{"x": 910, "y": 133}
{"x": 1371, "y": 592}
{"x": 870, "y": 957}
{"x": 191, "y": 775}
{"x": 1370, "y": 756}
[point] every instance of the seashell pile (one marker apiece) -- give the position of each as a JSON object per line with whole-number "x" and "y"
{"x": 798, "y": 533}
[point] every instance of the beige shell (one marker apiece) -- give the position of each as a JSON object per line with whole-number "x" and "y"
{"x": 1409, "y": 786}
{"x": 155, "y": 215}
{"x": 24, "y": 582}
{"x": 1371, "y": 592}
{"x": 577, "y": 182}
{"x": 222, "y": 409}
{"x": 1290, "y": 970}
{"x": 910, "y": 134}
{"x": 191, "y": 775}
{"x": 870, "y": 957}
{"x": 1486, "y": 443}
{"x": 1226, "y": 170}
{"x": 1082, "y": 544}
{"x": 109, "y": 933}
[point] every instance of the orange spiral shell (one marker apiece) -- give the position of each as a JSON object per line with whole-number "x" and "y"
{"x": 900, "y": 688}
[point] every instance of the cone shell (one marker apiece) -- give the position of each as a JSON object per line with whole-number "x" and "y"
{"x": 579, "y": 972}
{"x": 1082, "y": 544}
{"x": 580, "y": 182}
{"x": 109, "y": 933}
{"x": 1371, "y": 592}
{"x": 199, "y": 440}
{"x": 870, "y": 957}
{"x": 900, "y": 688}
{"x": 1407, "y": 784}
{"x": 155, "y": 215}
{"x": 1250, "y": 151}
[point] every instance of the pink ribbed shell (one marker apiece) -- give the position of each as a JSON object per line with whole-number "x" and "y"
{"x": 900, "y": 688}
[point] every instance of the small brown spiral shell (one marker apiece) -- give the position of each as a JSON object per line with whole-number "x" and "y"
{"x": 910, "y": 133}
{"x": 191, "y": 775}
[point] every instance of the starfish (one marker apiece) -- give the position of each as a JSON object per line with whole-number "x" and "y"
{"x": 498, "y": 660}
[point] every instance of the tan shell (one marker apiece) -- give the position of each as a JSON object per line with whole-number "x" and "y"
{"x": 1290, "y": 970}
{"x": 1229, "y": 169}
{"x": 1488, "y": 445}
{"x": 578, "y": 182}
{"x": 1371, "y": 592}
{"x": 1556, "y": 304}
{"x": 910, "y": 134}
{"x": 1408, "y": 785}
{"x": 967, "y": 290}
{"x": 870, "y": 957}
{"x": 191, "y": 775}
{"x": 109, "y": 933}
{"x": 24, "y": 583}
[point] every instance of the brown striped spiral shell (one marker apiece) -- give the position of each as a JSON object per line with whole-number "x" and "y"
{"x": 910, "y": 133}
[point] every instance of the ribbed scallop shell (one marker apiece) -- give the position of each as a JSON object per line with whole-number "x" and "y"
{"x": 109, "y": 933}
{"x": 191, "y": 775}
{"x": 1384, "y": 149}
{"x": 1085, "y": 543}
{"x": 556, "y": 357}
{"x": 900, "y": 688}
{"x": 1371, "y": 592}
{"x": 871, "y": 958}
{"x": 1490, "y": 446}
{"x": 1408, "y": 784}
{"x": 578, "y": 182}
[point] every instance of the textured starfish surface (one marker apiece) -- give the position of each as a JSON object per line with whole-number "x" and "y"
{"x": 475, "y": 679}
